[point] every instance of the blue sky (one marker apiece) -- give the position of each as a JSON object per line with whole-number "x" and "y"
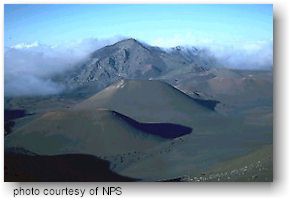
{"x": 163, "y": 25}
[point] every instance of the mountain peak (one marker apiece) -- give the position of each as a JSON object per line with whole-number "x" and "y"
{"x": 129, "y": 43}
{"x": 129, "y": 40}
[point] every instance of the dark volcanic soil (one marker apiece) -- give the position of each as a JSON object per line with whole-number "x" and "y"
{"x": 59, "y": 168}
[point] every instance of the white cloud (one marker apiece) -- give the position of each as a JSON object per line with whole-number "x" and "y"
{"x": 245, "y": 55}
{"x": 29, "y": 85}
{"x": 25, "y": 45}
{"x": 30, "y": 67}
{"x": 232, "y": 54}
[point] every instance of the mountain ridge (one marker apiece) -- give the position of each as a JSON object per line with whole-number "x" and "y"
{"x": 131, "y": 59}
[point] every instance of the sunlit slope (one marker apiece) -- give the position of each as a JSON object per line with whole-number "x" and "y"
{"x": 95, "y": 132}
{"x": 148, "y": 101}
{"x": 110, "y": 124}
{"x": 195, "y": 154}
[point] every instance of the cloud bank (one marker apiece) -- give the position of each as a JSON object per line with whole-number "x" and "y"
{"x": 231, "y": 54}
{"x": 253, "y": 56}
{"x": 29, "y": 68}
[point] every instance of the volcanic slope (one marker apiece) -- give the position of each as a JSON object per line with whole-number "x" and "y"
{"x": 109, "y": 124}
{"x": 239, "y": 90}
{"x": 96, "y": 132}
{"x": 214, "y": 137}
{"x": 149, "y": 101}
{"x": 142, "y": 109}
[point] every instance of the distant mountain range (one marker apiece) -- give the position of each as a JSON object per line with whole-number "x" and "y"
{"x": 131, "y": 59}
